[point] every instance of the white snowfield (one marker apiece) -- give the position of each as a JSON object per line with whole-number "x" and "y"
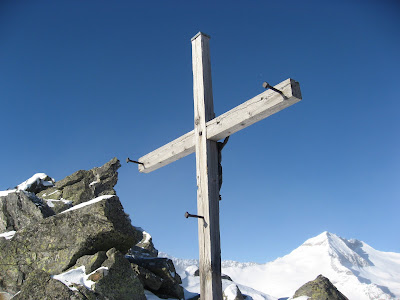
{"x": 356, "y": 269}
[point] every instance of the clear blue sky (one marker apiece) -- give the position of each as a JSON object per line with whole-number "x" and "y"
{"x": 84, "y": 81}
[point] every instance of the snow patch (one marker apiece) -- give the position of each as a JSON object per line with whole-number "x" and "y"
{"x": 5, "y": 193}
{"x": 51, "y": 204}
{"x": 45, "y": 195}
{"x": 146, "y": 236}
{"x": 37, "y": 178}
{"x": 230, "y": 292}
{"x": 94, "y": 182}
{"x": 98, "y": 199}
{"x": 8, "y": 235}
{"x": 77, "y": 277}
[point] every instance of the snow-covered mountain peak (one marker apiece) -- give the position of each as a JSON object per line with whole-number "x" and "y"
{"x": 356, "y": 269}
{"x": 321, "y": 239}
{"x": 348, "y": 253}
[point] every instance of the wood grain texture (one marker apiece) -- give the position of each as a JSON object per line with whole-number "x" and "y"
{"x": 207, "y": 173}
{"x": 259, "y": 107}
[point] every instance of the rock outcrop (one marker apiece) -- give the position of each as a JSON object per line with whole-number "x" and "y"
{"x": 20, "y": 208}
{"x": 158, "y": 275}
{"x": 320, "y": 288}
{"x": 145, "y": 247}
{"x": 121, "y": 282}
{"x": 40, "y": 285}
{"x": 84, "y": 185}
{"x": 77, "y": 226}
{"x": 55, "y": 244}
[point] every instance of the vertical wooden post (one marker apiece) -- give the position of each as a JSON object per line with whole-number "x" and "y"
{"x": 207, "y": 173}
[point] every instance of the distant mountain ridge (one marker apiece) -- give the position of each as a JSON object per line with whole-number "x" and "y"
{"x": 357, "y": 270}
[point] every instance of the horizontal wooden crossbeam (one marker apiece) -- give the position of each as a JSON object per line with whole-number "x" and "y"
{"x": 243, "y": 115}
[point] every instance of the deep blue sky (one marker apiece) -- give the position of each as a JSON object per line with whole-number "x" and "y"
{"x": 84, "y": 81}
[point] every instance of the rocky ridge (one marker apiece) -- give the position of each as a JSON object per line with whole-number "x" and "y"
{"x": 51, "y": 231}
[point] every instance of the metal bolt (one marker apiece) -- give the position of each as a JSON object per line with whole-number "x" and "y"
{"x": 134, "y": 161}
{"x": 266, "y": 85}
{"x": 187, "y": 215}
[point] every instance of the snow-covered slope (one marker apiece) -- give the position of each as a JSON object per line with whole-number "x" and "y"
{"x": 356, "y": 269}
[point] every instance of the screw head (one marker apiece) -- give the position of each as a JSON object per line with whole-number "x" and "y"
{"x": 265, "y": 85}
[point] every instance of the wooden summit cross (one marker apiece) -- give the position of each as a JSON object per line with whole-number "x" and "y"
{"x": 208, "y": 129}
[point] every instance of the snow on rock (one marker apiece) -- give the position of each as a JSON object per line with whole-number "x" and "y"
{"x": 88, "y": 203}
{"x": 5, "y": 193}
{"x": 146, "y": 236}
{"x": 37, "y": 180}
{"x": 77, "y": 277}
{"x": 231, "y": 292}
{"x": 7, "y": 235}
{"x": 33, "y": 184}
{"x": 50, "y": 202}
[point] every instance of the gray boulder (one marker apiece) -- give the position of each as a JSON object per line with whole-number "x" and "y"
{"x": 91, "y": 262}
{"x": 320, "y": 288}
{"x": 164, "y": 269}
{"x": 84, "y": 185}
{"x": 19, "y": 209}
{"x": 40, "y": 285}
{"x": 145, "y": 247}
{"x": 149, "y": 280}
{"x": 56, "y": 243}
{"x": 120, "y": 282}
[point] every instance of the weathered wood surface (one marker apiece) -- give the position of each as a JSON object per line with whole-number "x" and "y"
{"x": 260, "y": 107}
{"x": 207, "y": 173}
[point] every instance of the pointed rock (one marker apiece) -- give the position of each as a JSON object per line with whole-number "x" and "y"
{"x": 120, "y": 282}
{"x": 320, "y": 288}
{"x": 84, "y": 185}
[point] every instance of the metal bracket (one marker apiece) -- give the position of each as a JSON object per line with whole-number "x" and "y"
{"x": 187, "y": 215}
{"x": 128, "y": 160}
{"x": 266, "y": 85}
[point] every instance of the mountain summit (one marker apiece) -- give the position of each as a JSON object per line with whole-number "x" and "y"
{"x": 356, "y": 269}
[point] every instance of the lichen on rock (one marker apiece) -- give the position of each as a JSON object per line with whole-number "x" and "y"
{"x": 77, "y": 224}
{"x": 56, "y": 243}
{"x": 84, "y": 185}
{"x": 320, "y": 288}
{"x": 20, "y": 208}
